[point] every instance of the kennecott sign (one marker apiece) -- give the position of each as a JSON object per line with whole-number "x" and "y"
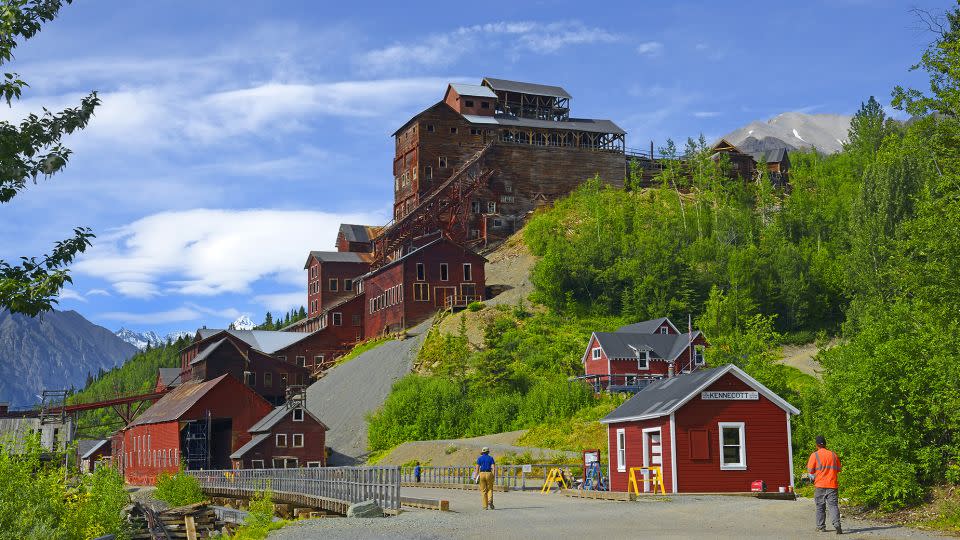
{"x": 730, "y": 395}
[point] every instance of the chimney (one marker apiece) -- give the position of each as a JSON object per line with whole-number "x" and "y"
{"x": 670, "y": 370}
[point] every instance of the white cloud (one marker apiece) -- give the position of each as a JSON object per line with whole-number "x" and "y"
{"x": 208, "y": 252}
{"x": 186, "y": 312}
{"x": 282, "y": 302}
{"x": 445, "y": 49}
{"x": 70, "y": 294}
{"x": 98, "y": 292}
{"x": 706, "y": 114}
{"x": 650, "y": 48}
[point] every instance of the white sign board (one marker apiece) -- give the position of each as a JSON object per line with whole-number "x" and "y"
{"x": 527, "y": 468}
{"x": 744, "y": 396}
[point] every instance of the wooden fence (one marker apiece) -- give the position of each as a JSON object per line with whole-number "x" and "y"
{"x": 329, "y": 488}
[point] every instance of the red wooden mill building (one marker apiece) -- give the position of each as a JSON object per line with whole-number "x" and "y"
{"x": 713, "y": 430}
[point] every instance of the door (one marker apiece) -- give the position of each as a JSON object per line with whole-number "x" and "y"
{"x": 440, "y": 295}
{"x": 652, "y": 454}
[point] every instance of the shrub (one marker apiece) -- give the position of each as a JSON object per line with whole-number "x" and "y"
{"x": 178, "y": 489}
{"x": 259, "y": 521}
{"x": 476, "y": 306}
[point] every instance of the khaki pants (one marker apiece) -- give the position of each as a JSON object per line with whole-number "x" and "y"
{"x": 486, "y": 488}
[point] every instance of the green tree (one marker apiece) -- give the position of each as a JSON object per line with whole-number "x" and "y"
{"x": 28, "y": 151}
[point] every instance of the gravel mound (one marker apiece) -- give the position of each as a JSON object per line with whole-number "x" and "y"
{"x": 350, "y": 391}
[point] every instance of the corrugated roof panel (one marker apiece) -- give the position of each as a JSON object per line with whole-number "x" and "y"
{"x": 473, "y": 90}
{"x": 257, "y": 439}
{"x": 175, "y": 404}
{"x": 526, "y": 88}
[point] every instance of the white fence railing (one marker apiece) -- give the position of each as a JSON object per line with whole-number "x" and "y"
{"x": 345, "y": 484}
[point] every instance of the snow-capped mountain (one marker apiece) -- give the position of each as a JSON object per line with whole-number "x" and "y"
{"x": 792, "y": 130}
{"x": 243, "y": 323}
{"x": 142, "y": 340}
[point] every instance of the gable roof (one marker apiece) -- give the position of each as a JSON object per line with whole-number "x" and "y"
{"x": 204, "y": 354}
{"x": 772, "y": 155}
{"x": 525, "y": 88}
{"x": 276, "y": 415}
{"x": 169, "y": 376}
{"x": 624, "y": 345}
{"x": 647, "y": 327}
{"x": 358, "y": 233}
{"x": 471, "y": 90}
{"x": 724, "y": 144}
{"x": 338, "y": 256}
{"x": 665, "y": 396}
{"x": 177, "y": 402}
{"x": 86, "y": 447}
{"x": 414, "y": 117}
{"x": 257, "y": 439}
{"x": 266, "y": 341}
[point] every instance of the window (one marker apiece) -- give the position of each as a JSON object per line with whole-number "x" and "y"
{"x": 428, "y": 172}
{"x": 338, "y": 319}
{"x": 281, "y": 440}
{"x": 484, "y": 104}
{"x": 421, "y": 272}
{"x": 333, "y": 284}
{"x": 733, "y": 447}
{"x": 298, "y": 440}
{"x": 301, "y": 361}
{"x": 474, "y": 131}
{"x": 318, "y": 360}
{"x": 453, "y": 131}
{"x": 444, "y": 272}
{"x": 249, "y": 378}
{"x": 283, "y": 379}
{"x": 348, "y": 284}
{"x": 256, "y": 463}
{"x": 442, "y": 162}
{"x": 491, "y": 207}
{"x": 357, "y": 320}
{"x": 468, "y": 103}
{"x": 298, "y": 415}
{"x": 475, "y": 207}
{"x": 429, "y": 128}
{"x": 507, "y": 187}
{"x": 699, "y": 444}
{"x": 621, "y": 450}
{"x": 467, "y": 272}
{"x": 698, "y": 355}
{"x": 268, "y": 379}
{"x": 421, "y": 292}
{"x": 497, "y": 223}
{"x": 282, "y": 358}
{"x": 313, "y": 464}
{"x": 664, "y": 330}
{"x": 643, "y": 359}
{"x": 596, "y": 353}
{"x": 507, "y": 199}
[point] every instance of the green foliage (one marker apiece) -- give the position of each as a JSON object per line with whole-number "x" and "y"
{"x": 476, "y": 306}
{"x": 259, "y": 521}
{"x": 362, "y": 348}
{"x": 37, "y": 504}
{"x": 178, "y": 489}
{"x": 29, "y": 150}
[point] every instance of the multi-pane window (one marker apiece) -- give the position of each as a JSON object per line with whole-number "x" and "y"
{"x": 643, "y": 359}
{"x": 621, "y": 450}
{"x": 596, "y": 353}
{"x": 444, "y": 272}
{"x": 281, "y": 441}
{"x": 338, "y": 319}
{"x": 474, "y": 131}
{"x": 333, "y": 284}
{"x": 421, "y": 292}
{"x": 298, "y": 440}
{"x": 698, "y": 355}
{"x": 475, "y": 207}
{"x": 491, "y": 207}
{"x": 733, "y": 446}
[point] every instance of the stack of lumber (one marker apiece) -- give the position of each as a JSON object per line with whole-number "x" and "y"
{"x": 191, "y": 522}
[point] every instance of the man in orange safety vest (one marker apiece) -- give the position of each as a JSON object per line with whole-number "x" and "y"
{"x": 823, "y": 467}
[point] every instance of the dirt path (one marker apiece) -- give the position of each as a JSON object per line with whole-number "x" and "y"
{"x": 465, "y": 451}
{"x": 531, "y": 515}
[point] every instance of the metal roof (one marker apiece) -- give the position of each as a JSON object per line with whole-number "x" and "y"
{"x": 473, "y": 90}
{"x": 646, "y": 327}
{"x": 169, "y": 376}
{"x": 526, "y": 88}
{"x": 619, "y": 345}
{"x": 276, "y": 415}
{"x": 86, "y": 447}
{"x": 209, "y": 350}
{"x": 773, "y": 155}
{"x": 358, "y": 233}
{"x": 665, "y": 396}
{"x": 338, "y": 256}
{"x": 572, "y": 124}
{"x": 175, "y": 404}
{"x": 266, "y": 341}
{"x": 257, "y": 439}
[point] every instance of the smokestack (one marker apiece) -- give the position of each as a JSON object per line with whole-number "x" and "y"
{"x": 670, "y": 370}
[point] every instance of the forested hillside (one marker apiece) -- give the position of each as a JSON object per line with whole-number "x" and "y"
{"x": 863, "y": 245}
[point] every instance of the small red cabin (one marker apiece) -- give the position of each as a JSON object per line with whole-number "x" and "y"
{"x": 289, "y": 437}
{"x": 637, "y": 354}
{"x": 713, "y": 430}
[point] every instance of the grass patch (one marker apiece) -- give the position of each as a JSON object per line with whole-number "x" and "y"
{"x": 579, "y": 432}
{"x": 377, "y": 455}
{"x": 178, "y": 489}
{"x": 361, "y": 348}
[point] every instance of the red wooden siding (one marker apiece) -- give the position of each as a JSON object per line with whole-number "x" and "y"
{"x": 314, "y": 444}
{"x": 149, "y": 450}
{"x": 595, "y": 367}
{"x": 619, "y": 481}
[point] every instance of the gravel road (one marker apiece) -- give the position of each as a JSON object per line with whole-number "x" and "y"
{"x": 348, "y": 392}
{"x": 531, "y": 515}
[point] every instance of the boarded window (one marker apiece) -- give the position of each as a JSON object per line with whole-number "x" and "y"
{"x": 699, "y": 444}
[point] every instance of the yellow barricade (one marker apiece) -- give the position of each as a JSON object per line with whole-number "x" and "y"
{"x": 657, "y": 479}
{"x": 554, "y": 476}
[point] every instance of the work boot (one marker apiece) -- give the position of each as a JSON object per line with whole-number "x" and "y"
{"x": 491, "y": 506}
{"x": 839, "y": 530}
{"x": 821, "y": 529}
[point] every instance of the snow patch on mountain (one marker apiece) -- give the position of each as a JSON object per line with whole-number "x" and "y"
{"x": 825, "y": 132}
{"x": 243, "y": 323}
{"x": 142, "y": 340}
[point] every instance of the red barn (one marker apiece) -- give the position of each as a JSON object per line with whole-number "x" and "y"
{"x": 198, "y": 423}
{"x": 713, "y": 430}
{"x": 289, "y": 437}
{"x": 413, "y": 287}
{"x": 636, "y": 354}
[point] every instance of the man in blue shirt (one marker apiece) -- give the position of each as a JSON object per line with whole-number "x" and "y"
{"x": 486, "y": 472}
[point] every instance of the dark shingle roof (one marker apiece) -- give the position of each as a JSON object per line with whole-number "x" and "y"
{"x": 573, "y": 124}
{"x": 622, "y": 344}
{"x": 209, "y": 350}
{"x": 773, "y": 155}
{"x": 665, "y": 396}
{"x": 645, "y": 327}
{"x": 85, "y": 446}
{"x": 526, "y": 88}
{"x": 275, "y": 416}
{"x": 169, "y": 376}
{"x": 338, "y": 256}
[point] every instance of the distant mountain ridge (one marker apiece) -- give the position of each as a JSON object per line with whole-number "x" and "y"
{"x": 142, "y": 340}
{"x": 56, "y": 350}
{"x": 793, "y": 130}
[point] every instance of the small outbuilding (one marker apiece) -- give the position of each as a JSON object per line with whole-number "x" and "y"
{"x": 288, "y": 437}
{"x": 712, "y": 430}
{"x": 91, "y": 452}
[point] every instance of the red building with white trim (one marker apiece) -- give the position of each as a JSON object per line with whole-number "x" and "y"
{"x": 289, "y": 437}
{"x": 713, "y": 430}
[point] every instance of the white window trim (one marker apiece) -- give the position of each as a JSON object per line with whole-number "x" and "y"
{"x": 646, "y": 456}
{"x": 621, "y": 450}
{"x": 646, "y": 360}
{"x": 313, "y": 464}
{"x": 295, "y": 411}
{"x": 596, "y": 353}
{"x": 294, "y": 441}
{"x": 277, "y": 440}
{"x": 442, "y": 267}
{"x": 742, "y": 466}
{"x": 253, "y": 463}
{"x": 467, "y": 272}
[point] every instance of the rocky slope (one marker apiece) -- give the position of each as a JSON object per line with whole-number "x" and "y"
{"x": 793, "y": 130}
{"x": 54, "y": 351}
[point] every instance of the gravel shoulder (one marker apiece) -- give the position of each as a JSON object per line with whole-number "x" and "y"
{"x": 448, "y": 452}
{"x": 532, "y": 515}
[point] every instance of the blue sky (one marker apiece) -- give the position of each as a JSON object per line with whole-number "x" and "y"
{"x": 235, "y": 136}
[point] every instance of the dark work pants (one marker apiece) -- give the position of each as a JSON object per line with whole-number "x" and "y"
{"x": 826, "y": 498}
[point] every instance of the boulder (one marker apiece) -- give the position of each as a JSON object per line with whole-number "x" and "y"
{"x": 365, "y": 509}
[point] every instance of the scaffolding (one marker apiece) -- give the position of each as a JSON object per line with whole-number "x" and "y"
{"x": 196, "y": 443}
